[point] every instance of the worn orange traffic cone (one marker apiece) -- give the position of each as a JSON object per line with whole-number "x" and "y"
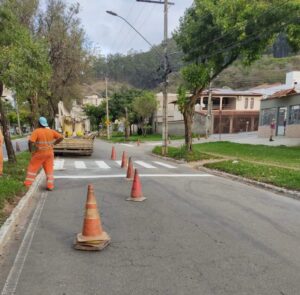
{"x": 113, "y": 154}
{"x": 92, "y": 238}
{"x": 129, "y": 170}
{"x": 136, "y": 190}
{"x": 138, "y": 142}
{"x": 124, "y": 161}
{"x": 17, "y": 147}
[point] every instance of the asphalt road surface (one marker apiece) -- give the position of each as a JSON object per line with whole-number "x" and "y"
{"x": 23, "y": 144}
{"x": 195, "y": 234}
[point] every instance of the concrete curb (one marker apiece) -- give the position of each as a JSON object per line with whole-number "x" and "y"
{"x": 11, "y": 223}
{"x": 275, "y": 189}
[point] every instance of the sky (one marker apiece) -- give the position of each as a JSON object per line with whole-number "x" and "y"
{"x": 109, "y": 34}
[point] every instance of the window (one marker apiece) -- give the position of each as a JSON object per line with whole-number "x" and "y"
{"x": 294, "y": 114}
{"x": 246, "y": 102}
{"x": 267, "y": 115}
{"x": 252, "y": 103}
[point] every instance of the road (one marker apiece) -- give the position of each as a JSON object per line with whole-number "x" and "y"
{"x": 23, "y": 144}
{"x": 195, "y": 234}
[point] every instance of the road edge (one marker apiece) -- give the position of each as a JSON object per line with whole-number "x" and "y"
{"x": 275, "y": 189}
{"x": 12, "y": 221}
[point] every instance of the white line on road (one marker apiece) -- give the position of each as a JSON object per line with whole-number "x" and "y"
{"x": 123, "y": 176}
{"x": 145, "y": 165}
{"x": 79, "y": 165}
{"x": 164, "y": 165}
{"x": 127, "y": 144}
{"x": 16, "y": 270}
{"x": 119, "y": 162}
{"x": 102, "y": 165}
{"x": 59, "y": 164}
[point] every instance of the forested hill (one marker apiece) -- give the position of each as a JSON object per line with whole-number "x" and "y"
{"x": 145, "y": 70}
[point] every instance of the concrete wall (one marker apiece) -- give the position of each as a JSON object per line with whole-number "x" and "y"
{"x": 293, "y": 131}
{"x": 240, "y": 103}
{"x": 264, "y": 131}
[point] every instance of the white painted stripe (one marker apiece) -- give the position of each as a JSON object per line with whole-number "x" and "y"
{"x": 16, "y": 270}
{"x": 124, "y": 175}
{"x": 154, "y": 143}
{"x": 165, "y": 165}
{"x": 145, "y": 165}
{"x": 127, "y": 144}
{"x": 79, "y": 165}
{"x": 119, "y": 163}
{"x": 59, "y": 164}
{"x": 102, "y": 165}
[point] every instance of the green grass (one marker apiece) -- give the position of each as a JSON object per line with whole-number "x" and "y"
{"x": 134, "y": 138}
{"x": 279, "y": 155}
{"x": 11, "y": 184}
{"x": 282, "y": 177}
{"x": 182, "y": 154}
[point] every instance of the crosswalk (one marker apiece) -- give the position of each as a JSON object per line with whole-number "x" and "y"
{"x": 68, "y": 164}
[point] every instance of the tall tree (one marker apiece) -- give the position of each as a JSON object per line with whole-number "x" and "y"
{"x": 213, "y": 34}
{"x": 60, "y": 26}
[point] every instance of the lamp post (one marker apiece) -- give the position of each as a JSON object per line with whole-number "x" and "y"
{"x": 166, "y": 70}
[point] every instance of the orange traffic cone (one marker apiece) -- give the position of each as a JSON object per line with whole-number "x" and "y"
{"x": 124, "y": 161}
{"x": 138, "y": 142}
{"x": 113, "y": 154}
{"x": 136, "y": 190}
{"x": 130, "y": 170}
{"x": 92, "y": 238}
{"x": 17, "y": 147}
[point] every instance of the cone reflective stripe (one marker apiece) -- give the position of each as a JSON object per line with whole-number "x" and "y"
{"x": 17, "y": 147}
{"x": 130, "y": 170}
{"x": 136, "y": 190}
{"x": 93, "y": 237}
{"x": 124, "y": 160}
{"x": 113, "y": 154}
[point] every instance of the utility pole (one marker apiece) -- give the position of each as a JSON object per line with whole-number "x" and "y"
{"x": 18, "y": 114}
{"x": 166, "y": 73}
{"x": 209, "y": 108}
{"x": 107, "y": 110}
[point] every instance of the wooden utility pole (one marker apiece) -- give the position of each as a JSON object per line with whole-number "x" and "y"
{"x": 107, "y": 109}
{"x": 166, "y": 73}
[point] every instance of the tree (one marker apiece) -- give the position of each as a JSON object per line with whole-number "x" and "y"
{"x": 213, "y": 34}
{"x": 96, "y": 114}
{"x": 144, "y": 106}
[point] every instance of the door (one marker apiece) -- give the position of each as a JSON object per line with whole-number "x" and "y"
{"x": 281, "y": 121}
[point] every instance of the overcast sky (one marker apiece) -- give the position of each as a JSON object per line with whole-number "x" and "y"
{"x": 110, "y": 34}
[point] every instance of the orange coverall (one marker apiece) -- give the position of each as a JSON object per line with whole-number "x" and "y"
{"x": 1, "y": 152}
{"x": 43, "y": 139}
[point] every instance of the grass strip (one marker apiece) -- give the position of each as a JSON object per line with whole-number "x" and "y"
{"x": 181, "y": 153}
{"x": 11, "y": 184}
{"x": 282, "y": 177}
{"x": 280, "y": 155}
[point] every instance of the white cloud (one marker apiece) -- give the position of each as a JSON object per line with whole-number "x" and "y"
{"x": 112, "y": 34}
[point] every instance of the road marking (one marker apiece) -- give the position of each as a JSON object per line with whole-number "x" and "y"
{"x": 59, "y": 164}
{"x": 164, "y": 165}
{"x": 154, "y": 143}
{"x": 124, "y": 175}
{"x": 119, "y": 163}
{"x": 145, "y": 165}
{"x": 16, "y": 270}
{"x": 102, "y": 165}
{"x": 79, "y": 165}
{"x": 127, "y": 144}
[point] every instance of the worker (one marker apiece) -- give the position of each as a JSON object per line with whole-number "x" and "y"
{"x": 41, "y": 144}
{"x": 1, "y": 153}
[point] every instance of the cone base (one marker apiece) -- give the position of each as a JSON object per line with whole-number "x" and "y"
{"x": 86, "y": 246}
{"x": 141, "y": 199}
{"x": 92, "y": 239}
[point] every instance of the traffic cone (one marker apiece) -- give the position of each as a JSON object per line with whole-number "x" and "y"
{"x": 136, "y": 190}
{"x": 92, "y": 238}
{"x": 17, "y": 147}
{"x": 138, "y": 142}
{"x": 124, "y": 161}
{"x": 113, "y": 154}
{"x": 130, "y": 170}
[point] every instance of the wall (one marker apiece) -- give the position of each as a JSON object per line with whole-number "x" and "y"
{"x": 293, "y": 131}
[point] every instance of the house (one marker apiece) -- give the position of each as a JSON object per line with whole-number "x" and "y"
{"x": 94, "y": 100}
{"x": 282, "y": 105}
{"x": 233, "y": 111}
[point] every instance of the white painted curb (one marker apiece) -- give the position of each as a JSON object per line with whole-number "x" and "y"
{"x": 10, "y": 224}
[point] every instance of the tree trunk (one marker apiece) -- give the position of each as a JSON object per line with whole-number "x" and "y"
{"x": 188, "y": 116}
{"x": 9, "y": 147}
